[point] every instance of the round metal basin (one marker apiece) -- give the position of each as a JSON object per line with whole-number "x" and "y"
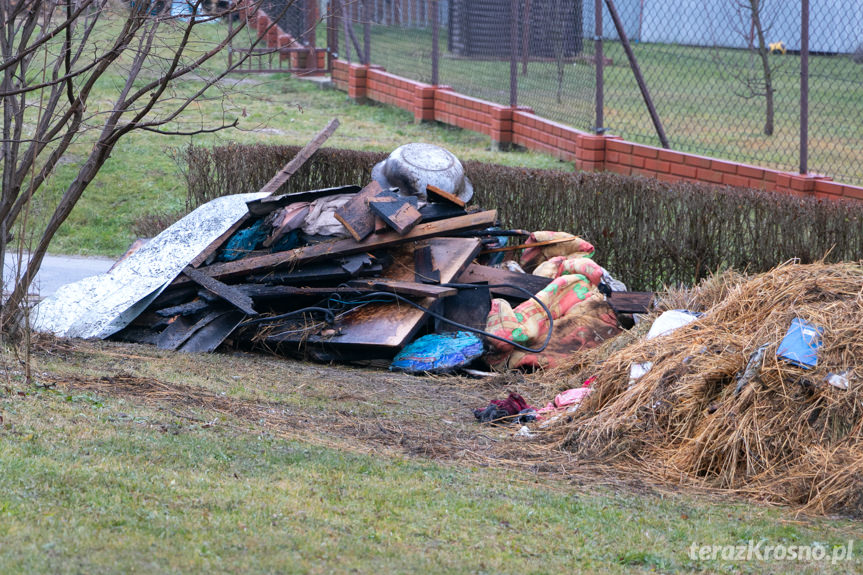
{"x": 413, "y": 167}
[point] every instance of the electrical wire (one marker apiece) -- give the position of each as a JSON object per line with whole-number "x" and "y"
{"x": 397, "y": 297}
{"x": 389, "y": 297}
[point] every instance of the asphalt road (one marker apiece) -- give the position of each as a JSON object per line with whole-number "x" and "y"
{"x": 57, "y": 271}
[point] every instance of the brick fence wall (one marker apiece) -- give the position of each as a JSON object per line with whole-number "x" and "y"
{"x": 520, "y": 126}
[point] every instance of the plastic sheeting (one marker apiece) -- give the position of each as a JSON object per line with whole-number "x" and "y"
{"x": 101, "y": 305}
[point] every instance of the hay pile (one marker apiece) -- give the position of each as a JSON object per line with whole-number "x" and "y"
{"x": 787, "y": 436}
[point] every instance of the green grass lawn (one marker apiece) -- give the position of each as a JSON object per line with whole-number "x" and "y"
{"x": 101, "y": 480}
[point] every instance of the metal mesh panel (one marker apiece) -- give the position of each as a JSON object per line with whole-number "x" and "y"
{"x": 723, "y": 75}
{"x": 291, "y": 17}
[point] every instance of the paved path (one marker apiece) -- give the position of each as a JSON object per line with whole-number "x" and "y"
{"x": 57, "y": 271}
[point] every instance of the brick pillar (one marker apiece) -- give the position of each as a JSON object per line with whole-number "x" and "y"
{"x": 424, "y": 104}
{"x": 590, "y": 152}
{"x": 501, "y": 128}
{"x": 357, "y": 83}
{"x": 798, "y": 184}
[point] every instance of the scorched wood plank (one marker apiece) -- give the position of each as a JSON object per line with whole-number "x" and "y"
{"x": 348, "y": 246}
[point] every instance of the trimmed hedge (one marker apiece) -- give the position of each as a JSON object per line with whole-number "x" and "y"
{"x": 646, "y": 232}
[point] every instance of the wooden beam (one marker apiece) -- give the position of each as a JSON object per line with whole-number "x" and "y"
{"x": 444, "y": 195}
{"x": 226, "y": 292}
{"x": 525, "y": 246}
{"x": 476, "y": 273}
{"x": 424, "y": 268}
{"x": 269, "y": 204}
{"x": 347, "y": 246}
{"x": 356, "y": 216}
{"x": 404, "y": 287}
{"x": 301, "y": 158}
{"x": 397, "y": 213}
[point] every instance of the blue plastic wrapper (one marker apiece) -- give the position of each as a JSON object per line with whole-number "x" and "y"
{"x": 800, "y": 344}
{"x": 243, "y": 242}
{"x": 438, "y": 353}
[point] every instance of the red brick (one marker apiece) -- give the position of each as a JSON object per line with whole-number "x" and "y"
{"x": 618, "y": 146}
{"x": 828, "y": 187}
{"x": 697, "y": 161}
{"x": 669, "y": 156}
{"x": 726, "y": 167}
{"x": 735, "y": 180}
{"x": 656, "y": 165}
{"x": 783, "y": 180}
{"x": 750, "y": 171}
{"x": 683, "y": 170}
{"x": 852, "y": 192}
{"x": 588, "y": 166}
{"x": 645, "y": 151}
{"x": 802, "y": 183}
{"x": 708, "y": 175}
{"x": 590, "y": 155}
{"x": 588, "y": 142}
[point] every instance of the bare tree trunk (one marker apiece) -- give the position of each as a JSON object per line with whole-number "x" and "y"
{"x": 764, "y": 53}
{"x": 54, "y": 87}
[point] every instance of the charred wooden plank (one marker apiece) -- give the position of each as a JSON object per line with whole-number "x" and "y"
{"x": 397, "y": 212}
{"x": 224, "y": 291}
{"x": 630, "y": 301}
{"x": 189, "y": 308}
{"x": 356, "y": 215}
{"x": 435, "y": 193}
{"x": 261, "y": 292}
{"x": 301, "y": 158}
{"x": 337, "y": 248}
{"x": 469, "y": 307}
{"x": 381, "y": 328}
{"x": 435, "y": 212}
{"x": 476, "y": 273}
{"x": 182, "y": 329}
{"x": 210, "y": 336}
{"x": 264, "y": 206}
{"x": 404, "y": 288}
{"x": 424, "y": 268}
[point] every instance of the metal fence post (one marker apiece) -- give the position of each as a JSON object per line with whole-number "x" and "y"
{"x": 367, "y": 34}
{"x": 804, "y": 87}
{"x": 597, "y": 47}
{"x": 435, "y": 77}
{"x": 633, "y": 63}
{"x": 513, "y": 54}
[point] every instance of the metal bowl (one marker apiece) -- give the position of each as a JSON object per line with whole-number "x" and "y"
{"x": 413, "y": 167}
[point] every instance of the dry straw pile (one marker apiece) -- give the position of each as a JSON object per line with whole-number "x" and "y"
{"x": 787, "y": 436}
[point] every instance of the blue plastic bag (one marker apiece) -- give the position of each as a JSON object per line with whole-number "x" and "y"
{"x": 438, "y": 353}
{"x": 800, "y": 344}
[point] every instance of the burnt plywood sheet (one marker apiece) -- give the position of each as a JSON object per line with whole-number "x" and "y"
{"x": 382, "y": 328}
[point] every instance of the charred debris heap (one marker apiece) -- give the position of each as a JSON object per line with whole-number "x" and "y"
{"x": 343, "y": 273}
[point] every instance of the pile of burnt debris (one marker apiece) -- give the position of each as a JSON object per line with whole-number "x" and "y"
{"x": 344, "y": 273}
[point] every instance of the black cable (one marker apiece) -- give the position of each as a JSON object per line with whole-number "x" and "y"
{"x": 401, "y": 298}
{"x": 330, "y": 317}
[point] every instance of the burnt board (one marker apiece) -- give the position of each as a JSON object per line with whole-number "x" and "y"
{"x": 382, "y": 328}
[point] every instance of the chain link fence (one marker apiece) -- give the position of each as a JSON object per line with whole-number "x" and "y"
{"x": 723, "y": 76}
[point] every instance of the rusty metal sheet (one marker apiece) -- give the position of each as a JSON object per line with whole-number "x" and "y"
{"x": 101, "y": 305}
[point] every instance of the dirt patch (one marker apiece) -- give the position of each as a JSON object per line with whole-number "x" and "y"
{"x": 358, "y": 409}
